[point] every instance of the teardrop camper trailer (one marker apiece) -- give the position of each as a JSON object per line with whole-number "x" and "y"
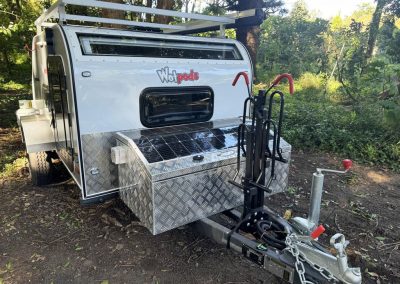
{"x": 149, "y": 113}
{"x": 126, "y": 111}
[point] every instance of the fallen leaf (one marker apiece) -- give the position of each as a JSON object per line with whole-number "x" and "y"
{"x": 288, "y": 214}
{"x": 373, "y": 274}
{"x": 37, "y": 257}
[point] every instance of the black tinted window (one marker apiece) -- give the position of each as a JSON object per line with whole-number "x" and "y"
{"x": 170, "y": 106}
{"x": 152, "y": 47}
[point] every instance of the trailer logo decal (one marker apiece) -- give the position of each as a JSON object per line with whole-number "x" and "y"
{"x": 172, "y": 76}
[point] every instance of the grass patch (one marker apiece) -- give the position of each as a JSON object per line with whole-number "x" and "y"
{"x": 14, "y": 169}
{"x": 12, "y": 151}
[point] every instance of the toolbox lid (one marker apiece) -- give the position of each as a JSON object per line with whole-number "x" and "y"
{"x": 167, "y": 152}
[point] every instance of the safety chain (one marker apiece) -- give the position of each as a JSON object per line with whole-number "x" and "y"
{"x": 291, "y": 242}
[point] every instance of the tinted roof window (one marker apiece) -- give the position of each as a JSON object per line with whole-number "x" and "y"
{"x": 150, "y": 47}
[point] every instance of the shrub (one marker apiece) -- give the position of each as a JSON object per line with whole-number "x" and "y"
{"x": 357, "y": 134}
{"x": 309, "y": 81}
{"x": 13, "y": 86}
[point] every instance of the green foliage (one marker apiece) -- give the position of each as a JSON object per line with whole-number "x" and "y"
{"x": 8, "y": 107}
{"x": 316, "y": 123}
{"x": 292, "y": 44}
{"x": 392, "y": 114}
{"x": 13, "y": 86}
{"x": 16, "y": 29}
{"x": 393, "y": 8}
{"x": 310, "y": 81}
{"x": 393, "y": 46}
{"x": 344, "y": 102}
{"x": 12, "y": 168}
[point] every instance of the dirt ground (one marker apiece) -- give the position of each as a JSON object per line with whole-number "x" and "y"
{"x": 47, "y": 236}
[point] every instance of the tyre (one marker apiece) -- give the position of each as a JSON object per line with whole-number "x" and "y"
{"x": 41, "y": 168}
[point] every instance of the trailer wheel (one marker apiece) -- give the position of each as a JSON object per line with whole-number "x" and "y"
{"x": 41, "y": 168}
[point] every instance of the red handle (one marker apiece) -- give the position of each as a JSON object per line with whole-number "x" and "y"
{"x": 246, "y": 78}
{"x": 317, "y": 232}
{"x": 347, "y": 164}
{"x": 290, "y": 79}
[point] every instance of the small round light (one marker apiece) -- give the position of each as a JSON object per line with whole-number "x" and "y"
{"x": 86, "y": 74}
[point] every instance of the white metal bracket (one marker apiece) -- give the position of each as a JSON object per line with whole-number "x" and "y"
{"x": 193, "y": 21}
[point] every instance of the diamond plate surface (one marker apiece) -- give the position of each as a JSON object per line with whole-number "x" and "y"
{"x": 165, "y": 204}
{"x": 185, "y": 165}
{"x": 171, "y": 193}
{"x": 136, "y": 189}
{"x": 280, "y": 182}
{"x": 182, "y": 200}
{"x": 96, "y": 150}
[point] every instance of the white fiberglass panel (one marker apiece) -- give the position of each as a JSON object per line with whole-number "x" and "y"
{"x": 108, "y": 88}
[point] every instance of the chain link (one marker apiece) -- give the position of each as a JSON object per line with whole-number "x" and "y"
{"x": 291, "y": 243}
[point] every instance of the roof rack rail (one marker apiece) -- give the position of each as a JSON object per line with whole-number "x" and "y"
{"x": 198, "y": 22}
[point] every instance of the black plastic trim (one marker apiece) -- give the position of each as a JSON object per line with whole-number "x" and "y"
{"x": 99, "y": 198}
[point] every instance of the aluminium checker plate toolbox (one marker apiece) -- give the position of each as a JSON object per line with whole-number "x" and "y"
{"x": 166, "y": 188}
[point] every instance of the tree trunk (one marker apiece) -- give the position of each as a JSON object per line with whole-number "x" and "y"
{"x": 115, "y": 14}
{"x": 164, "y": 4}
{"x": 194, "y": 5}
{"x": 186, "y": 4}
{"x": 149, "y": 4}
{"x": 250, "y": 36}
{"x": 374, "y": 27}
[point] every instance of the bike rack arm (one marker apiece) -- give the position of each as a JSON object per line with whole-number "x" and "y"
{"x": 245, "y": 76}
{"x": 246, "y": 79}
{"x": 281, "y": 77}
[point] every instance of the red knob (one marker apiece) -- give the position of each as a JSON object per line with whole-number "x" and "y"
{"x": 347, "y": 164}
{"x": 317, "y": 232}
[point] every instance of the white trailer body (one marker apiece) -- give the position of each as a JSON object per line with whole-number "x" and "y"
{"x": 98, "y": 88}
{"x": 103, "y": 91}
